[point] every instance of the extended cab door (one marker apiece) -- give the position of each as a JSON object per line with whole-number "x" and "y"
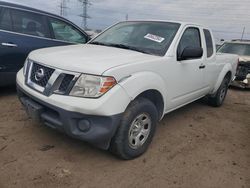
{"x": 213, "y": 69}
{"x": 189, "y": 82}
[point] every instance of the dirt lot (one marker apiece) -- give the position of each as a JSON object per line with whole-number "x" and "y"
{"x": 196, "y": 146}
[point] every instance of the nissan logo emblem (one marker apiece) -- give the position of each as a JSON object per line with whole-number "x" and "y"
{"x": 39, "y": 74}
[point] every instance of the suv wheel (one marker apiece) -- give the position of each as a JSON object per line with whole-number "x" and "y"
{"x": 136, "y": 130}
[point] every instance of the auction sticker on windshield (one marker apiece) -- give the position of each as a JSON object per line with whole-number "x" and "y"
{"x": 154, "y": 38}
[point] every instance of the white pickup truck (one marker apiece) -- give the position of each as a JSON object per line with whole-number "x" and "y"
{"x": 112, "y": 91}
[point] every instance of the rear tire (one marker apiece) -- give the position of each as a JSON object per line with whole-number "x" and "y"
{"x": 136, "y": 129}
{"x": 218, "y": 99}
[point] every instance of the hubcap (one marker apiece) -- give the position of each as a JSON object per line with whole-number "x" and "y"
{"x": 139, "y": 131}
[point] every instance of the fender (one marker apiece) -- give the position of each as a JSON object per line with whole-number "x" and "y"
{"x": 227, "y": 68}
{"x": 139, "y": 82}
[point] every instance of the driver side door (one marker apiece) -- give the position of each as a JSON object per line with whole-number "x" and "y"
{"x": 189, "y": 73}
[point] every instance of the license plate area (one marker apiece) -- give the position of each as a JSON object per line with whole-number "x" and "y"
{"x": 33, "y": 109}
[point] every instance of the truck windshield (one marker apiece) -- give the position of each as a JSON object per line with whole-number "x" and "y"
{"x": 143, "y": 36}
{"x": 235, "y": 48}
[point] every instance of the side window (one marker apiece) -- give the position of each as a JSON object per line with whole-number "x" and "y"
{"x": 5, "y": 19}
{"x": 190, "y": 38}
{"x": 209, "y": 43}
{"x": 64, "y": 31}
{"x": 29, "y": 23}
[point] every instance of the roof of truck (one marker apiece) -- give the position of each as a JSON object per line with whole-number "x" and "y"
{"x": 170, "y": 21}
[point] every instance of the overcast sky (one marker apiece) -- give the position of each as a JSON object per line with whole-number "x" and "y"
{"x": 226, "y": 18}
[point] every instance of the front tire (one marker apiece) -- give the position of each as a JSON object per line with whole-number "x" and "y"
{"x": 218, "y": 99}
{"x": 136, "y": 130}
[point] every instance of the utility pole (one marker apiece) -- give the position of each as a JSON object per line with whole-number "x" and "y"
{"x": 243, "y": 32}
{"x": 63, "y": 6}
{"x": 84, "y": 15}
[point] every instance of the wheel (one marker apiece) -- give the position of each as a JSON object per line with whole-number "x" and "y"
{"x": 218, "y": 99}
{"x": 136, "y": 130}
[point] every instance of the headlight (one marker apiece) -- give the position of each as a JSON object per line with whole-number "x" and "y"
{"x": 25, "y": 66}
{"x": 91, "y": 86}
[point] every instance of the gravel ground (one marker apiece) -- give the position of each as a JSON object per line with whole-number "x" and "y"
{"x": 195, "y": 146}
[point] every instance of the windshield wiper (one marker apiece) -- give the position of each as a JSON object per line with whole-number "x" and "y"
{"x": 123, "y": 46}
{"x": 99, "y": 43}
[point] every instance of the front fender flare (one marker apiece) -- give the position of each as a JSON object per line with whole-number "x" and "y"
{"x": 137, "y": 83}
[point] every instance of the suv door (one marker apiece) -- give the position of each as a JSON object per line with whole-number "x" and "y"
{"x": 20, "y": 33}
{"x": 189, "y": 73}
{"x": 6, "y": 75}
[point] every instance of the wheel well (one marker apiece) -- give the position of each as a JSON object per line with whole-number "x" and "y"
{"x": 229, "y": 75}
{"x": 156, "y": 98}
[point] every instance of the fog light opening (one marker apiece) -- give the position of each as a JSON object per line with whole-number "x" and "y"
{"x": 84, "y": 125}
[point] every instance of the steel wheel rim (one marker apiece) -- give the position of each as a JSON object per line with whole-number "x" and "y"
{"x": 139, "y": 130}
{"x": 222, "y": 93}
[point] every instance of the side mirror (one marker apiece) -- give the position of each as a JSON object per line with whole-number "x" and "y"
{"x": 190, "y": 53}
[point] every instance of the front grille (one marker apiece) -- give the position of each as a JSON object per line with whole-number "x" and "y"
{"x": 48, "y": 80}
{"x": 47, "y": 74}
{"x": 65, "y": 83}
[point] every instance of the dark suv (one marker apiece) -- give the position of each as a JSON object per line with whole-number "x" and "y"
{"x": 23, "y": 29}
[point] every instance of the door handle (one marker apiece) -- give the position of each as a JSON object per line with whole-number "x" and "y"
{"x": 202, "y": 66}
{"x": 9, "y": 44}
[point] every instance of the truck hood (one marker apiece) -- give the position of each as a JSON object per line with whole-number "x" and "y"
{"x": 88, "y": 58}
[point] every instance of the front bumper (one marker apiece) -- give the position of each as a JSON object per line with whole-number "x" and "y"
{"x": 95, "y": 129}
{"x": 111, "y": 103}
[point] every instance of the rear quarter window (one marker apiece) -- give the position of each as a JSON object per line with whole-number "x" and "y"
{"x": 209, "y": 43}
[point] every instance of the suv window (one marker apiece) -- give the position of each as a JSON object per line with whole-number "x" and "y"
{"x": 29, "y": 23}
{"x": 190, "y": 38}
{"x": 209, "y": 43}
{"x": 5, "y": 19}
{"x": 66, "y": 32}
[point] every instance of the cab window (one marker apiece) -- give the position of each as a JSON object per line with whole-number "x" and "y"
{"x": 190, "y": 38}
{"x": 209, "y": 43}
{"x": 65, "y": 32}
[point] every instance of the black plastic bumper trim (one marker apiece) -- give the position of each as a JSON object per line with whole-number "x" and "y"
{"x": 102, "y": 129}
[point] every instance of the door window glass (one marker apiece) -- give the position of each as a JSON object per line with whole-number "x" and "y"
{"x": 5, "y": 20}
{"x": 29, "y": 23}
{"x": 66, "y": 32}
{"x": 190, "y": 38}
